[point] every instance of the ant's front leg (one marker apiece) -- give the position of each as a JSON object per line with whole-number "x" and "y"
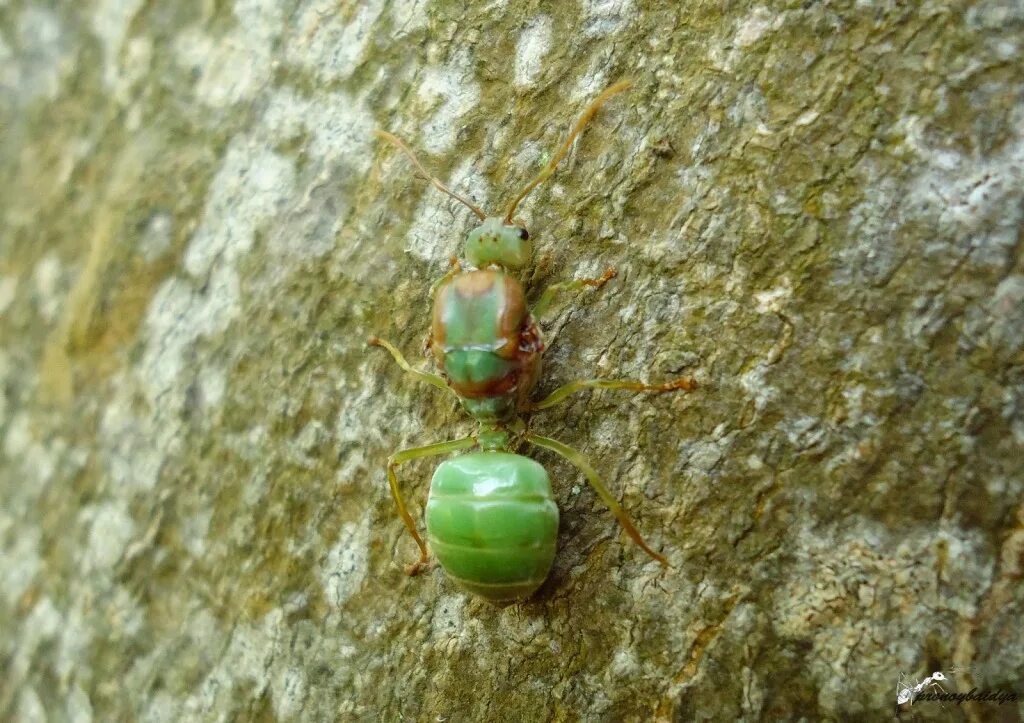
{"x": 454, "y": 269}
{"x": 546, "y": 298}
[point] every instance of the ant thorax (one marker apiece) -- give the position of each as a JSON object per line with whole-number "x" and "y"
{"x": 482, "y": 339}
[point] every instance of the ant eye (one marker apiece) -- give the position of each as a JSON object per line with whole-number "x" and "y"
{"x": 524, "y": 234}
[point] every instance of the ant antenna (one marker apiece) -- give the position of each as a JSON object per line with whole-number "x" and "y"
{"x": 585, "y": 118}
{"x": 397, "y": 143}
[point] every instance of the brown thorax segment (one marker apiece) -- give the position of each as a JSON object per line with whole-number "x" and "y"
{"x": 484, "y": 339}
{"x": 489, "y": 306}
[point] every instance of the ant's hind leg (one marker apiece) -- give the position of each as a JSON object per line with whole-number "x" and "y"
{"x": 432, "y": 379}
{"x": 406, "y": 455}
{"x": 548, "y": 296}
{"x": 603, "y": 492}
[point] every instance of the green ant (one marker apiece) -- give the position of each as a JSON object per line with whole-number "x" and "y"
{"x": 492, "y": 520}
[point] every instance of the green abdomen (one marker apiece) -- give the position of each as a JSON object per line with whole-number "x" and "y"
{"x": 492, "y": 522}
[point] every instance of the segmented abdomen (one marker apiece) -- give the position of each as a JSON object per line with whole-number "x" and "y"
{"x": 492, "y": 522}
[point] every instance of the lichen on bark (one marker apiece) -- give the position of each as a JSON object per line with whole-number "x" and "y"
{"x": 814, "y": 209}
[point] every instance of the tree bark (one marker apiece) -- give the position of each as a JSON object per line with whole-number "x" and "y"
{"x": 814, "y": 209}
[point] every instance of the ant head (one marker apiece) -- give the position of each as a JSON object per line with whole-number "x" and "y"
{"x": 499, "y": 242}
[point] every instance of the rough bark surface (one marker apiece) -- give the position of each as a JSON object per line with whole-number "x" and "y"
{"x": 815, "y": 209}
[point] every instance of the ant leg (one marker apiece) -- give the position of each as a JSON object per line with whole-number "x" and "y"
{"x": 603, "y": 492}
{"x": 575, "y": 285}
{"x": 430, "y": 450}
{"x": 454, "y": 269}
{"x": 682, "y": 384}
{"x": 432, "y": 379}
